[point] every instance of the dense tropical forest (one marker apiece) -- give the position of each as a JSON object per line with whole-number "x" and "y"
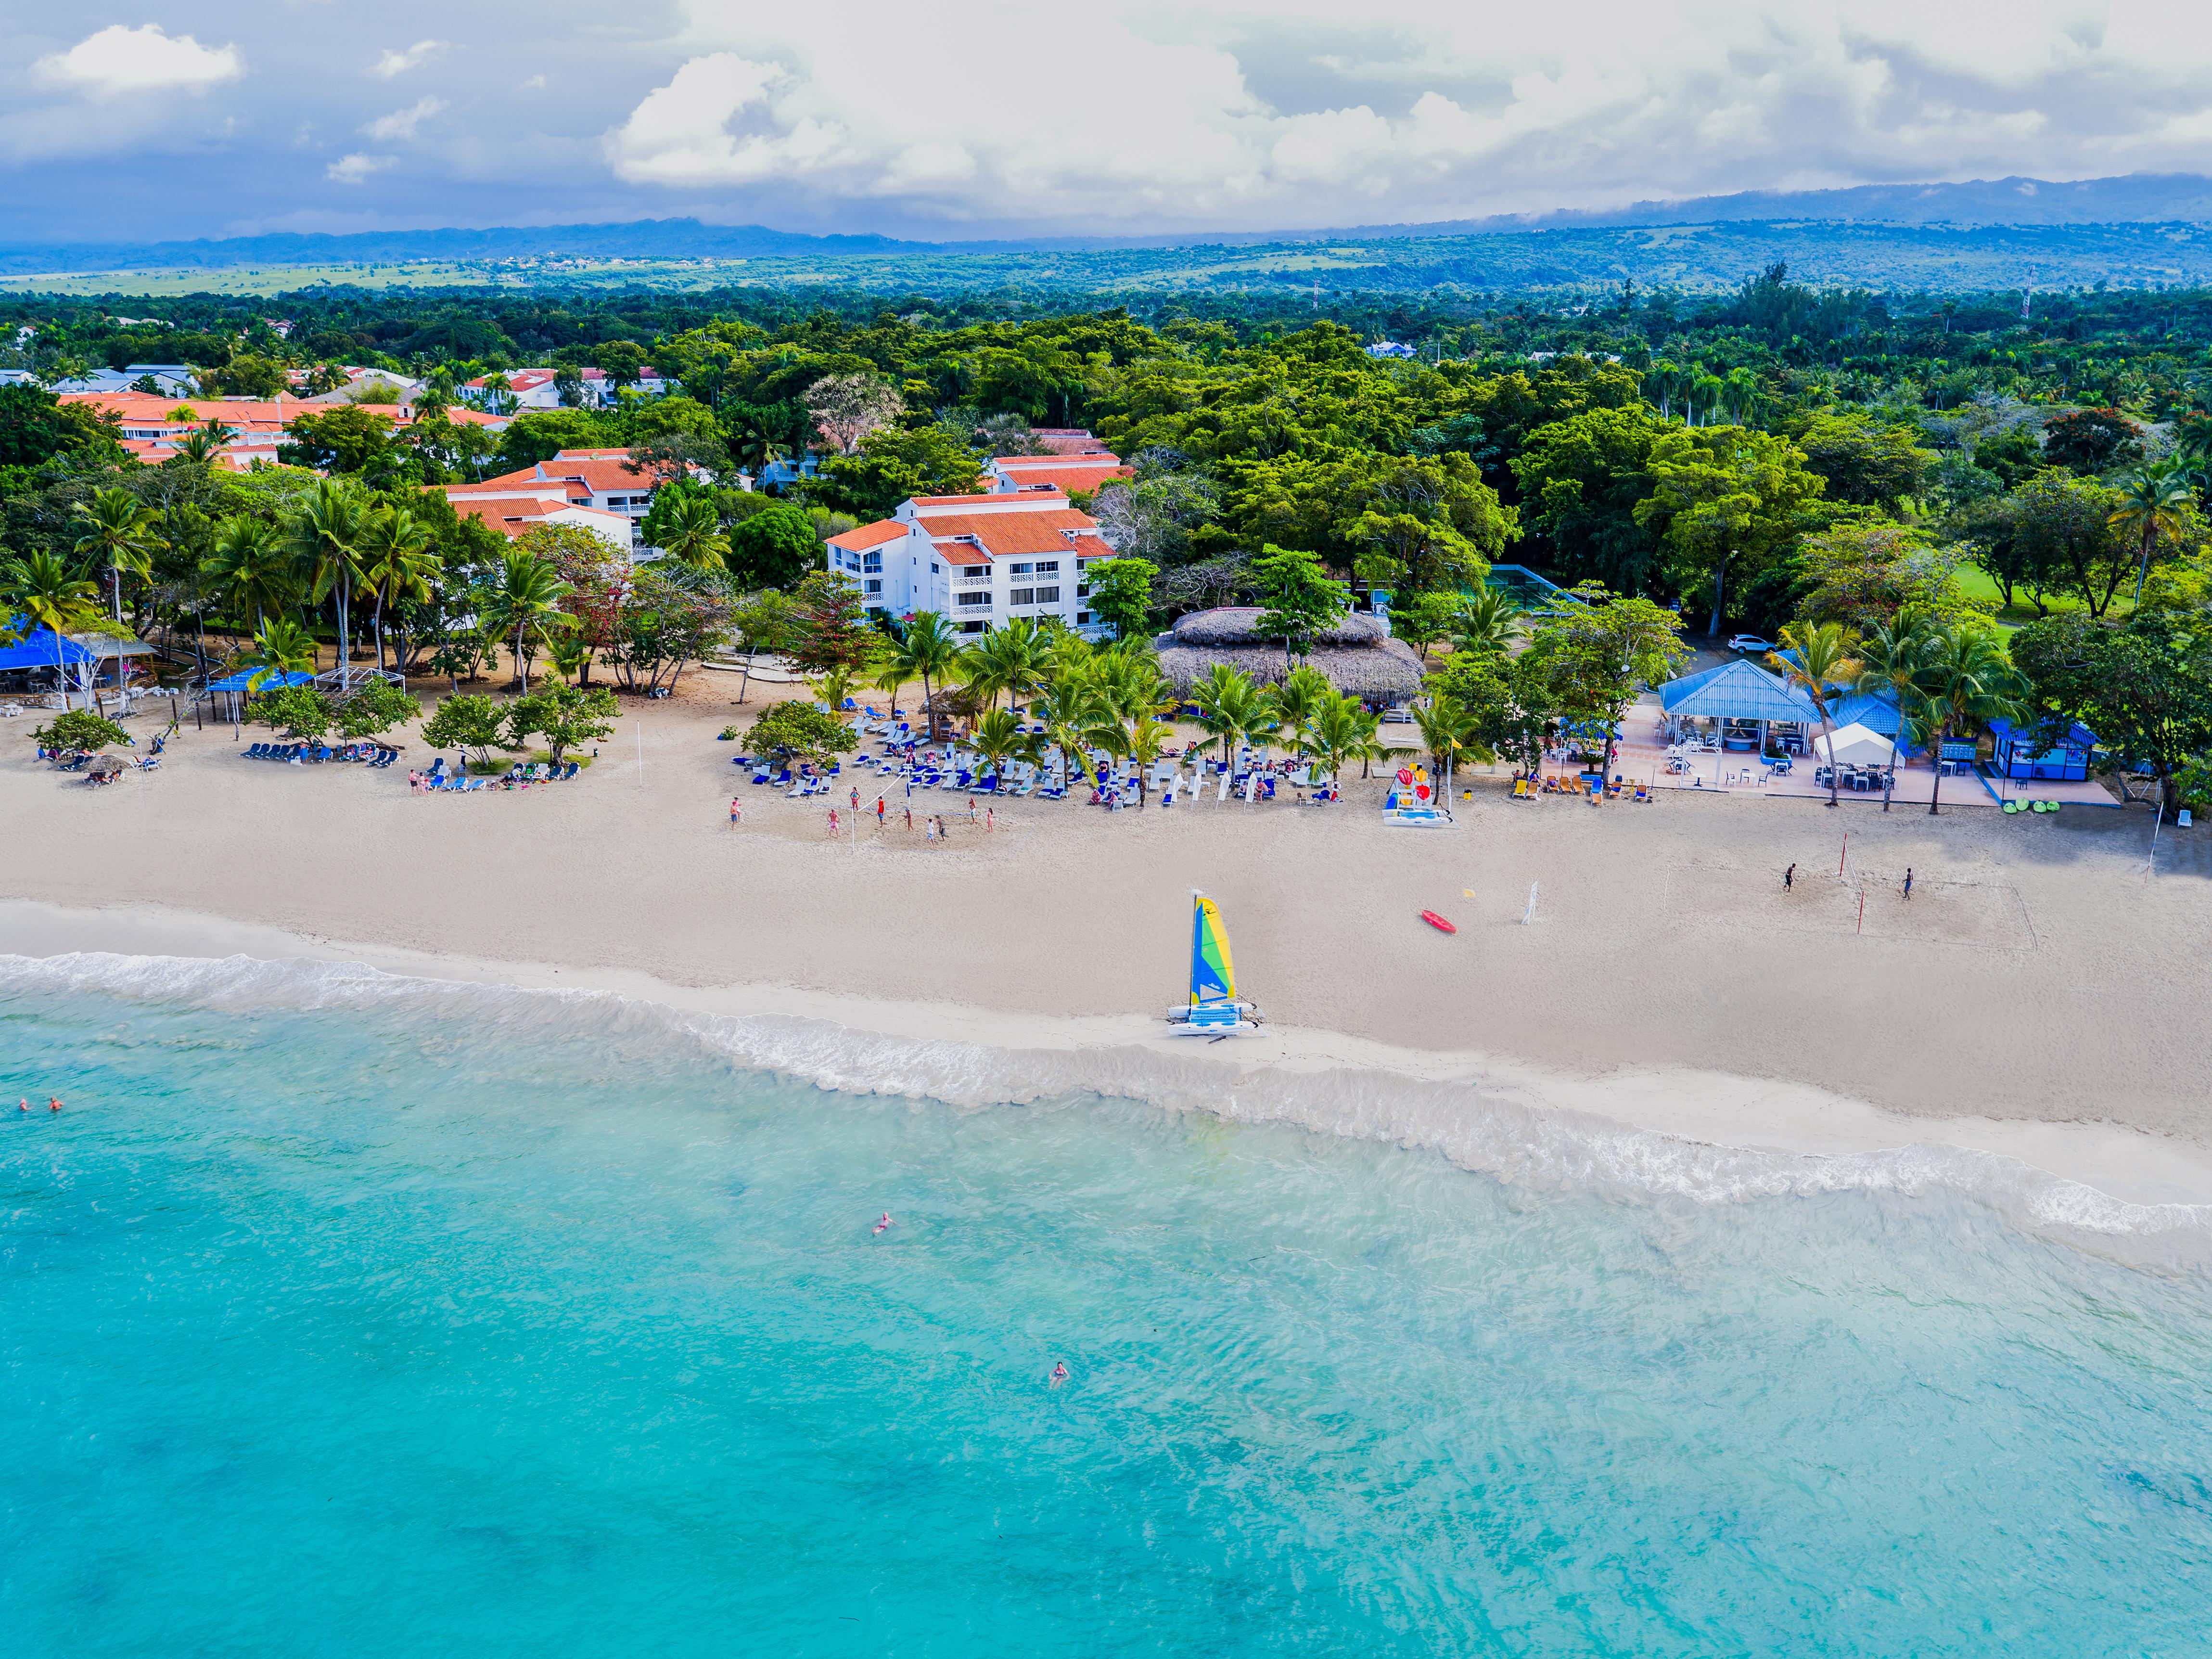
{"x": 1780, "y": 455}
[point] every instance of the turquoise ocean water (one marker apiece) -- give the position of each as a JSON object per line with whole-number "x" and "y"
{"x": 408, "y": 1322}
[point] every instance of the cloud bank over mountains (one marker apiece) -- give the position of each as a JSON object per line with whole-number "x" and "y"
{"x": 979, "y": 117}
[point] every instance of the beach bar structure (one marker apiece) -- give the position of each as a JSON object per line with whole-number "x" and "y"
{"x": 2020, "y": 753}
{"x": 1750, "y": 708}
{"x": 40, "y": 656}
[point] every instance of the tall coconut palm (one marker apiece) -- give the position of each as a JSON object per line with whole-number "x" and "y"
{"x": 1229, "y": 707}
{"x": 1294, "y": 703}
{"x": 2154, "y": 506}
{"x": 929, "y": 650}
{"x": 1889, "y": 661}
{"x": 523, "y": 606}
{"x": 1011, "y": 659}
{"x": 119, "y": 531}
{"x": 1144, "y": 739}
{"x": 998, "y": 738}
{"x": 42, "y": 589}
{"x": 1815, "y": 658}
{"x": 1448, "y": 729}
{"x": 1071, "y": 709}
{"x": 250, "y": 561}
{"x": 1966, "y": 681}
{"x": 396, "y": 561}
{"x": 324, "y": 533}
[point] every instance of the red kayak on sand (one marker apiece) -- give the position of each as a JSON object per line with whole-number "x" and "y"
{"x": 1438, "y": 922}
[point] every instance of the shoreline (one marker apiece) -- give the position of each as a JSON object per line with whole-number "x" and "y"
{"x": 1693, "y": 1107}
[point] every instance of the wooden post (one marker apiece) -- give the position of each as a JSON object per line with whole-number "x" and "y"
{"x": 1862, "y": 926}
{"x": 1845, "y": 854}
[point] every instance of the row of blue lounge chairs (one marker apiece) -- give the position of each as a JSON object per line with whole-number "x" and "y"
{"x": 374, "y": 755}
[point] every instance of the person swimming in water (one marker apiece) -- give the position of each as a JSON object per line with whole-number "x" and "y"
{"x": 53, "y": 1102}
{"x": 1059, "y": 1372}
{"x": 886, "y": 1222}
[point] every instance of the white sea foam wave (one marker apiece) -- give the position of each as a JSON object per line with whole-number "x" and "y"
{"x": 1529, "y": 1145}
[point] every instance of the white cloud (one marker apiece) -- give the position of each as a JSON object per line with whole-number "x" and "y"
{"x": 399, "y": 126}
{"x": 399, "y": 62}
{"x": 535, "y": 83}
{"x": 118, "y": 61}
{"x": 1278, "y": 113}
{"x": 354, "y": 169}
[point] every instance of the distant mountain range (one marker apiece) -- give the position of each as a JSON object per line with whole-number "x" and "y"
{"x": 2138, "y": 199}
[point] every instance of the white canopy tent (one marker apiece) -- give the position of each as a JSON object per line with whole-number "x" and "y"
{"x": 1853, "y": 745}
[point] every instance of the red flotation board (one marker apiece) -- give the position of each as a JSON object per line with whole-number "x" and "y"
{"x": 1438, "y": 922}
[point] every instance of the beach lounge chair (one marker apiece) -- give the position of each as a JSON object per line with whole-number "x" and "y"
{"x": 570, "y": 770}
{"x": 1641, "y": 793}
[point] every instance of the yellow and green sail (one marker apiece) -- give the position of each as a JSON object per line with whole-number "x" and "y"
{"x": 1212, "y": 977}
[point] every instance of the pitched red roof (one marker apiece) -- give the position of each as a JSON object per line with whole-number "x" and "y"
{"x": 943, "y": 504}
{"x": 1068, "y": 477}
{"x": 869, "y": 534}
{"x": 1014, "y": 535}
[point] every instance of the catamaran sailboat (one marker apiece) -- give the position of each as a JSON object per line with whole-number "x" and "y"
{"x": 1214, "y": 1008}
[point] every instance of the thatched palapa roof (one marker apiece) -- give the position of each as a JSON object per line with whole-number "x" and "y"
{"x": 1358, "y": 655}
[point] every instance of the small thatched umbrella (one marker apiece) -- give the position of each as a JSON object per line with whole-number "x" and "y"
{"x": 107, "y": 767}
{"x": 1357, "y": 656}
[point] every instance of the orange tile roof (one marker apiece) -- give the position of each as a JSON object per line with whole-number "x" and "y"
{"x": 939, "y": 503}
{"x": 1073, "y": 477}
{"x": 1015, "y": 535}
{"x": 1052, "y": 463}
{"x": 511, "y": 515}
{"x": 869, "y": 534}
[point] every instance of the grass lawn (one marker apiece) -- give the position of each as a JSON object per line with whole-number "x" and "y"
{"x": 1975, "y": 582}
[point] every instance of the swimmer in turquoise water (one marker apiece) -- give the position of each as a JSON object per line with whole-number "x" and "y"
{"x": 1059, "y": 1372}
{"x": 886, "y": 1222}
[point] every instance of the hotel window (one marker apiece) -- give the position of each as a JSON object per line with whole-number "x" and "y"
{"x": 1083, "y": 590}
{"x": 871, "y": 563}
{"x": 974, "y": 601}
{"x": 972, "y": 627}
{"x": 1048, "y": 596}
{"x": 1083, "y": 619}
{"x": 876, "y": 586}
{"x": 1022, "y": 596}
{"x": 1048, "y": 567}
{"x": 1021, "y": 570}
{"x": 932, "y": 567}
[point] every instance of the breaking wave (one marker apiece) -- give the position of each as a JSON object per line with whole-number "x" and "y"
{"x": 1530, "y": 1146}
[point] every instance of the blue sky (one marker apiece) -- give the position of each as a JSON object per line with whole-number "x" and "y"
{"x": 973, "y": 118}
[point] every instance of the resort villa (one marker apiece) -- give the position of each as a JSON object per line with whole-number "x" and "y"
{"x": 154, "y": 428}
{"x": 977, "y": 560}
{"x": 593, "y": 489}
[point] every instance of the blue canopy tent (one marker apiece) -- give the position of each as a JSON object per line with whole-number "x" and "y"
{"x": 38, "y": 648}
{"x": 1737, "y": 694}
{"x": 1872, "y": 709}
{"x": 239, "y": 686}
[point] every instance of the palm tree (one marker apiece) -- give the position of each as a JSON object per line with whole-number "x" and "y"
{"x": 396, "y": 561}
{"x": 1011, "y": 659}
{"x": 1448, "y": 729}
{"x": 1889, "y": 660}
{"x": 202, "y": 445}
{"x": 1965, "y": 682}
{"x": 1229, "y": 705}
{"x": 281, "y": 647}
{"x": 1145, "y": 740}
{"x": 1489, "y": 622}
{"x": 2154, "y": 506}
{"x": 324, "y": 531}
{"x": 120, "y": 532}
{"x": 928, "y": 650}
{"x": 524, "y": 602}
{"x": 1071, "y": 710}
{"x": 46, "y": 593}
{"x": 250, "y": 560}
{"x": 1340, "y": 731}
{"x": 998, "y": 738}
{"x": 1814, "y": 658}
{"x": 1293, "y": 703}
{"x": 692, "y": 532}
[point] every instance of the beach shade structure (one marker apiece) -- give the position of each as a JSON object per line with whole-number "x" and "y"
{"x": 1739, "y": 694}
{"x": 1875, "y": 710}
{"x": 107, "y": 767}
{"x": 1853, "y": 745}
{"x": 239, "y": 686}
{"x": 1356, "y": 655}
{"x": 42, "y": 648}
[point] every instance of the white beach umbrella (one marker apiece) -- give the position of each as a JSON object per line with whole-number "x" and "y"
{"x": 1853, "y": 745}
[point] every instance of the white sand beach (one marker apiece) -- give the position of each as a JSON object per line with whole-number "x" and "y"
{"x": 2037, "y": 996}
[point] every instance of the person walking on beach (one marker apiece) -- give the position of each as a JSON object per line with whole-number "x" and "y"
{"x": 910, "y": 811}
{"x": 856, "y": 800}
{"x": 929, "y": 828}
{"x": 990, "y": 819}
{"x": 879, "y": 813}
{"x": 833, "y": 823}
{"x": 1908, "y": 881}
{"x": 1788, "y": 877}
{"x": 736, "y": 811}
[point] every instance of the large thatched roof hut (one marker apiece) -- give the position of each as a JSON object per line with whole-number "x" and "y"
{"x": 1357, "y": 654}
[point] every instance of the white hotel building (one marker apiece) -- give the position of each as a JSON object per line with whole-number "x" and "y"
{"x": 979, "y": 561}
